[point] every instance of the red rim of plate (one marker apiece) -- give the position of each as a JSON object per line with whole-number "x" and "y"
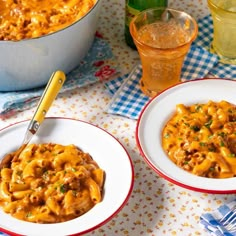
{"x": 159, "y": 172}
{"x": 118, "y": 209}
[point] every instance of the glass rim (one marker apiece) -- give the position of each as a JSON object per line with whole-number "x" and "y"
{"x": 214, "y": 4}
{"x": 192, "y": 38}
{"x": 163, "y": 8}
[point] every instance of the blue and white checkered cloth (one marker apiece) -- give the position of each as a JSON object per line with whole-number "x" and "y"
{"x": 128, "y": 100}
{"x": 216, "y": 223}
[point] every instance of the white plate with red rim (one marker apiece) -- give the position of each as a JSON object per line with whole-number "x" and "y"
{"x": 156, "y": 113}
{"x": 105, "y": 149}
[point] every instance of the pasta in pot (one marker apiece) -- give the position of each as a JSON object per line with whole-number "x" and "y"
{"x": 201, "y": 139}
{"x": 24, "y": 19}
{"x": 50, "y": 183}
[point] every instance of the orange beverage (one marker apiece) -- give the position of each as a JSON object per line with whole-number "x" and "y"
{"x": 163, "y": 38}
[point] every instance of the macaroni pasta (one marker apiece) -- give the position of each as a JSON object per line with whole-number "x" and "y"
{"x": 23, "y": 19}
{"x": 50, "y": 183}
{"x": 201, "y": 139}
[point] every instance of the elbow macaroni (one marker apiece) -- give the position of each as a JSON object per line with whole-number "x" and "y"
{"x": 50, "y": 183}
{"x": 23, "y": 19}
{"x": 201, "y": 139}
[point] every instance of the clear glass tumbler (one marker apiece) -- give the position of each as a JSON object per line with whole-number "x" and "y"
{"x": 163, "y": 37}
{"x": 224, "y": 25}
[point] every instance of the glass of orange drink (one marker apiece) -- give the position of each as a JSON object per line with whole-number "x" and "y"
{"x": 163, "y": 37}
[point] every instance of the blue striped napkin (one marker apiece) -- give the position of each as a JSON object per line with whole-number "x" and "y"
{"x": 216, "y": 223}
{"x": 98, "y": 65}
{"x": 128, "y": 100}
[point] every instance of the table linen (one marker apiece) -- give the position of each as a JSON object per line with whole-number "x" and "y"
{"x": 215, "y": 222}
{"x": 156, "y": 206}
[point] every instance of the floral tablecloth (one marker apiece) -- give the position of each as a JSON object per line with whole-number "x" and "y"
{"x": 156, "y": 207}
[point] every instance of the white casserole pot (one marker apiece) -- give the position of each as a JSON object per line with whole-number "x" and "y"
{"x": 29, "y": 63}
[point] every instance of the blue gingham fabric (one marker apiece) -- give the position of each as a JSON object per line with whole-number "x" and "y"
{"x": 128, "y": 100}
{"x": 205, "y": 31}
{"x": 98, "y": 65}
{"x": 216, "y": 222}
{"x": 115, "y": 84}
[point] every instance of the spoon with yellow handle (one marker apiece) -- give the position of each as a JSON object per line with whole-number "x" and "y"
{"x": 52, "y": 89}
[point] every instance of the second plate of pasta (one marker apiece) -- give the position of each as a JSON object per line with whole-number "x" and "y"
{"x": 204, "y": 161}
{"x": 57, "y": 141}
